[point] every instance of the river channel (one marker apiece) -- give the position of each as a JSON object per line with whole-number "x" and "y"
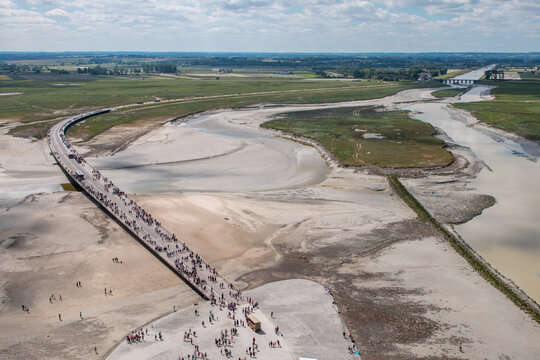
{"x": 507, "y": 234}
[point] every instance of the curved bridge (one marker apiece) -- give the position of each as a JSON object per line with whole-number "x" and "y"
{"x": 165, "y": 245}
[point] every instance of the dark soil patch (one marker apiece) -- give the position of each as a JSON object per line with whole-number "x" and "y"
{"x": 378, "y": 318}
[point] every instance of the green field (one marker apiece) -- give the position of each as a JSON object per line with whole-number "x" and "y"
{"x": 405, "y": 143}
{"x": 48, "y": 97}
{"x": 516, "y": 107}
{"x": 36, "y": 130}
{"x": 44, "y": 99}
{"x": 530, "y": 76}
{"x": 447, "y": 93}
{"x": 455, "y": 73}
{"x": 161, "y": 112}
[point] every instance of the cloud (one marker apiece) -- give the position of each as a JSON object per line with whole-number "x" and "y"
{"x": 6, "y": 3}
{"x": 270, "y": 25}
{"x": 57, "y": 13}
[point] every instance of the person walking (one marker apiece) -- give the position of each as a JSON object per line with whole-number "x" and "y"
{"x": 60, "y": 317}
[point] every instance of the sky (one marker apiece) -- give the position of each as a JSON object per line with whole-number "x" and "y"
{"x": 347, "y": 26}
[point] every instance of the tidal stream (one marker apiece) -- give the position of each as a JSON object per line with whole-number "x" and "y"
{"x": 507, "y": 234}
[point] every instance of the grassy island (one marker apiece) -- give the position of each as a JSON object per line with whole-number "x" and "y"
{"x": 368, "y": 136}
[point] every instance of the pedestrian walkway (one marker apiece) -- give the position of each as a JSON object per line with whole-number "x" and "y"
{"x": 166, "y": 245}
{"x": 208, "y": 334}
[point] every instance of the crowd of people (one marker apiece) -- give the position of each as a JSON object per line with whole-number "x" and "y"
{"x": 141, "y": 223}
{"x": 188, "y": 264}
{"x": 136, "y": 336}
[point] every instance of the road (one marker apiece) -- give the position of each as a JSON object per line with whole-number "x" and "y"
{"x": 161, "y": 242}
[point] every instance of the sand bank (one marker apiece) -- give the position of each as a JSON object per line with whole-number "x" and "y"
{"x": 302, "y": 309}
{"x": 204, "y": 153}
{"x": 401, "y": 291}
{"x": 51, "y": 242}
{"x": 26, "y": 168}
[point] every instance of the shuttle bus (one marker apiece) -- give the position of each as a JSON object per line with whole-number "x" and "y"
{"x": 253, "y": 322}
{"x": 79, "y": 175}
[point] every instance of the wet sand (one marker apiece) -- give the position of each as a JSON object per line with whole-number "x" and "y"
{"x": 170, "y": 160}
{"x": 26, "y": 168}
{"x": 401, "y": 290}
{"x": 224, "y": 150}
{"x": 51, "y": 241}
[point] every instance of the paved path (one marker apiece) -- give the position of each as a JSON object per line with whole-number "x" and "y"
{"x": 165, "y": 245}
{"x": 308, "y": 325}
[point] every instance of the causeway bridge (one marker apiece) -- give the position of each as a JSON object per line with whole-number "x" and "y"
{"x": 196, "y": 272}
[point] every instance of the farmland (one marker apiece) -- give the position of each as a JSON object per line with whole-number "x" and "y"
{"x": 66, "y": 95}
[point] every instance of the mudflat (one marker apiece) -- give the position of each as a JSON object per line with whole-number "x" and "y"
{"x": 400, "y": 289}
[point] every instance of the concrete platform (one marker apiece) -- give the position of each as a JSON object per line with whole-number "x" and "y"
{"x": 308, "y": 322}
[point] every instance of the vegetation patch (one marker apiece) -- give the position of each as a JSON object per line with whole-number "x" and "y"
{"x": 447, "y": 93}
{"x": 466, "y": 252}
{"x": 68, "y": 187}
{"x": 516, "y": 107}
{"x": 165, "y": 111}
{"x": 36, "y": 130}
{"x": 368, "y": 136}
{"x": 530, "y": 76}
{"x": 43, "y": 98}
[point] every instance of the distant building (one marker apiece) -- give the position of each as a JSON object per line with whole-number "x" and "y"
{"x": 424, "y": 77}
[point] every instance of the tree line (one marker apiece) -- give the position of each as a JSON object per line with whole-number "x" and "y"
{"x": 146, "y": 68}
{"x": 494, "y": 74}
{"x": 386, "y": 74}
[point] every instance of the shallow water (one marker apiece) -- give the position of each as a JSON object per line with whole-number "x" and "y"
{"x": 209, "y": 153}
{"x": 475, "y": 74}
{"x": 219, "y": 152}
{"x": 508, "y": 234}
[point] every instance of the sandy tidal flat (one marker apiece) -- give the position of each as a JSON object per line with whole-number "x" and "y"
{"x": 400, "y": 289}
